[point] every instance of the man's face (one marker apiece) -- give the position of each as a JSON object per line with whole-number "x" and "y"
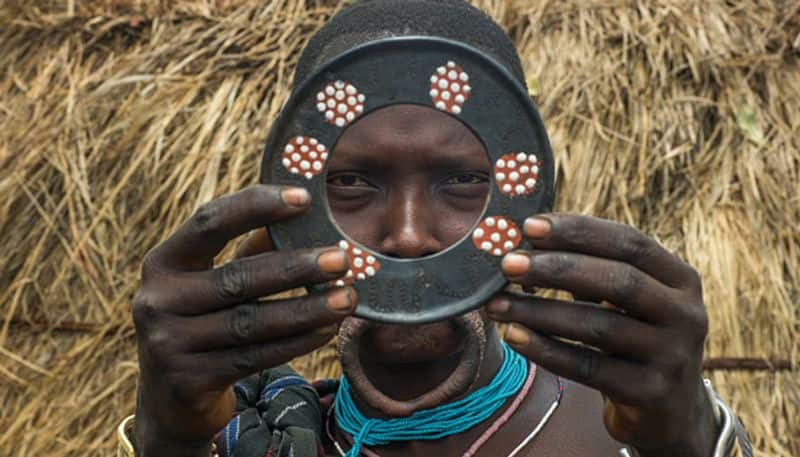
{"x": 408, "y": 181}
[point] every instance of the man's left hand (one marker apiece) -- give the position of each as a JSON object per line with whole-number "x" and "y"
{"x": 635, "y": 332}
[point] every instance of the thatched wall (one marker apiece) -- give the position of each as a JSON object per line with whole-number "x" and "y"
{"x": 118, "y": 117}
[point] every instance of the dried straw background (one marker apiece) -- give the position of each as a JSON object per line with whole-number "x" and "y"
{"x": 119, "y": 117}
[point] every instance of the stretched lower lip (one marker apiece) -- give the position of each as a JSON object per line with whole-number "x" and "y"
{"x": 397, "y": 346}
{"x": 464, "y": 375}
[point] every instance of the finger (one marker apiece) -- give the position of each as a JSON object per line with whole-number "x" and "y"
{"x": 194, "y": 245}
{"x": 605, "y": 329}
{"x": 249, "y": 278}
{"x": 611, "y": 240}
{"x": 261, "y": 322}
{"x": 597, "y": 278}
{"x": 614, "y": 377}
{"x": 256, "y": 242}
{"x": 230, "y": 365}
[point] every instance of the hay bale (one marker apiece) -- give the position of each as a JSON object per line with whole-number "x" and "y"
{"x": 120, "y": 117}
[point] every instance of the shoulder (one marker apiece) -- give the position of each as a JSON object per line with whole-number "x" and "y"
{"x": 576, "y": 428}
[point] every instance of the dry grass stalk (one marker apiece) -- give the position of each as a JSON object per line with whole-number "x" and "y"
{"x": 120, "y": 117}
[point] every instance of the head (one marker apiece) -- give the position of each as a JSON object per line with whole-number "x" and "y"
{"x": 409, "y": 181}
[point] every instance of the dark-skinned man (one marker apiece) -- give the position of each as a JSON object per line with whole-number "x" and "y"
{"x": 408, "y": 181}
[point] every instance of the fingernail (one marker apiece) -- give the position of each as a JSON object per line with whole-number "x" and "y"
{"x": 536, "y": 227}
{"x": 342, "y": 300}
{"x": 333, "y": 261}
{"x": 515, "y": 264}
{"x": 498, "y": 306}
{"x": 516, "y": 335}
{"x": 295, "y": 196}
{"x": 329, "y": 330}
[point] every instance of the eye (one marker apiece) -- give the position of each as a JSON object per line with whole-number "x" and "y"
{"x": 466, "y": 178}
{"x": 467, "y": 185}
{"x": 347, "y": 180}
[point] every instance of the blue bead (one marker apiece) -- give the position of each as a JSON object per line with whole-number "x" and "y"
{"x": 436, "y": 423}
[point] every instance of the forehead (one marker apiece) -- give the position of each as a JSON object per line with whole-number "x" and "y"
{"x": 404, "y": 131}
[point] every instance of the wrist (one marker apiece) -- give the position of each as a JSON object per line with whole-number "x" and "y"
{"x": 150, "y": 441}
{"x": 151, "y": 438}
{"x": 701, "y": 432}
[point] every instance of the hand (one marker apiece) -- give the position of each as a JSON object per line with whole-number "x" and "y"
{"x": 642, "y": 350}
{"x": 200, "y": 328}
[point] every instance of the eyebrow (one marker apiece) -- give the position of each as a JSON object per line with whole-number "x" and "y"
{"x": 456, "y": 159}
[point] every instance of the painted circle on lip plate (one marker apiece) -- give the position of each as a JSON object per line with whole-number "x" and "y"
{"x": 401, "y": 70}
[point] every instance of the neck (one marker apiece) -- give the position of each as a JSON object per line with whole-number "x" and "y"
{"x": 407, "y": 383}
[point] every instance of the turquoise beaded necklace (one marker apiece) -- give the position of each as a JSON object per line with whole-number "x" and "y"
{"x": 435, "y": 423}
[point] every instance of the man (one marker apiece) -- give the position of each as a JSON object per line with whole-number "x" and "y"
{"x": 633, "y": 383}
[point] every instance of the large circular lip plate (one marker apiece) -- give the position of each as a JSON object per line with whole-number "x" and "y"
{"x": 501, "y": 114}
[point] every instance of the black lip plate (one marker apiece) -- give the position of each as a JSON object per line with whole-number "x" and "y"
{"x": 398, "y": 70}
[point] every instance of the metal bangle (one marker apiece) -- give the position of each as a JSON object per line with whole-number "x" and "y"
{"x": 125, "y": 445}
{"x": 731, "y": 430}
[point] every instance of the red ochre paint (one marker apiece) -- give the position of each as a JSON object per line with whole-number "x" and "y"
{"x": 363, "y": 265}
{"x": 496, "y": 235}
{"x": 305, "y": 156}
{"x": 449, "y": 88}
{"x": 517, "y": 173}
{"x": 340, "y": 103}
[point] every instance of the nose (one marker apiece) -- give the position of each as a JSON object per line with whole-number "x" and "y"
{"x": 410, "y": 226}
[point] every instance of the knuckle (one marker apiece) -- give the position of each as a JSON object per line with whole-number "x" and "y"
{"x": 291, "y": 268}
{"x": 599, "y": 329}
{"x": 587, "y": 365}
{"x": 150, "y": 264}
{"x": 244, "y": 362}
{"x": 206, "y": 220}
{"x": 158, "y": 340}
{"x": 632, "y": 242}
{"x": 697, "y": 323}
{"x": 231, "y": 281}
{"x": 625, "y": 281}
{"x": 157, "y": 347}
{"x": 695, "y": 281}
{"x": 658, "y": 388}
{"x": 240, "y": 323}
{"x": 302, "y": 311}
{"x": 258, "y": 195}
{"x": 144, "y": 310}
{"x": 556, "y": 263}
{"x": 573, "y": 232}
{"x": 672, "y": 358}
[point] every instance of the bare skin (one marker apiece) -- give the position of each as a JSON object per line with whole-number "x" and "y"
{"x": 641, "y": 385}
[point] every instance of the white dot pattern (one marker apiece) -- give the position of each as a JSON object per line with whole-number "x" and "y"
{"x": 340, "y": 103}
{"x": 305, "y": 156}
{"x": 517, "y": 173}
{"x": 449, "y": 88}
{"x": 496, "y": 235}
{"x": 363, "y": 265}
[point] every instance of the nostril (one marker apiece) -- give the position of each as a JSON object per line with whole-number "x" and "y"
{"x": 410, "y": 247}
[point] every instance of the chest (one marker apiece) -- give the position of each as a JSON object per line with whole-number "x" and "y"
{"x": 574, "y": 428}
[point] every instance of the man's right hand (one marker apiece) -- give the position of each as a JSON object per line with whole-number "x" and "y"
{"x": 200, "y": 328}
